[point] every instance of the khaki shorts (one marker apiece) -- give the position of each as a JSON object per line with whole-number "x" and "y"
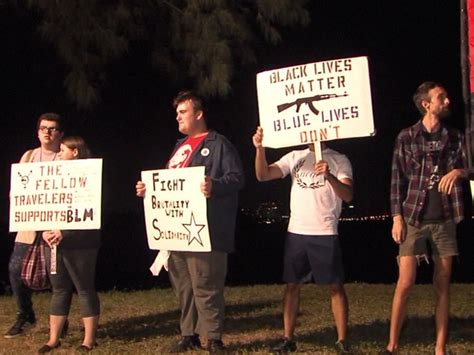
{"x": 440, "y": 236}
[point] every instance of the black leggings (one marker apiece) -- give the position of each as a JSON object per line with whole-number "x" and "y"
{"x": 75, "y": 268}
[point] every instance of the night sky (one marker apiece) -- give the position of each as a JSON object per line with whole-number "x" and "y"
{"x": 133, "y": 128}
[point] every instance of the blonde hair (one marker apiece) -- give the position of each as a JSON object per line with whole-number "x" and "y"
{"x": 76, "y": 142}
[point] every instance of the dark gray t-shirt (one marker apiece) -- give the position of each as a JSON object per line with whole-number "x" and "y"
{"x": 433, "y": 210}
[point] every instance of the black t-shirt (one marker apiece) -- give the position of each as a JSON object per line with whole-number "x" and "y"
{"x": 433, "y": 210}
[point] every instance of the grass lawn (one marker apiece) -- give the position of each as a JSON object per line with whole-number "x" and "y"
{"x": 146, "y": 322}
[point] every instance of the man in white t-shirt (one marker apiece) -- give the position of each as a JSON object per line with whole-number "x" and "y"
{"x": 312, "y": 249}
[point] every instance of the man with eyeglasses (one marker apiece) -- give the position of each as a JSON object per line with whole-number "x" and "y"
{"x": 49, "y": 134}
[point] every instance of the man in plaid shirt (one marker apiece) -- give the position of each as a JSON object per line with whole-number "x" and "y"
{"x": 427, "y": 203}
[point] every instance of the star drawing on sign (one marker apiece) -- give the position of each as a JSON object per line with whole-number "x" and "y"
{"x": 194, "y": 229}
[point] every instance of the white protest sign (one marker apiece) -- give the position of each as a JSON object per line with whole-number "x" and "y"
{"x": 64, "y": 194}
{"x": 176, "y": 210}
{"x": 315, "y": 102}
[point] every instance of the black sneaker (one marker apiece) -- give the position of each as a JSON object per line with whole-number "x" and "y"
{"x": 186, "y": 343}
{"x": 215, "y": 346}
{"x": 21, "y": 325}
{"x": 342, "y": 347}
{"x": 286, "y": 346}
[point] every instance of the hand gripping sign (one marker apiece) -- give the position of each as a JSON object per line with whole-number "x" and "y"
{"x": 315, "y": 102}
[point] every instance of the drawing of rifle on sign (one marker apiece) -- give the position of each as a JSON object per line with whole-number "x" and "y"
{"x": 332, "y": 100}
{"x": 308, "y": 101}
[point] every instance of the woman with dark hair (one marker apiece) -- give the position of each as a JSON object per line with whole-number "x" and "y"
{"x": 76, "y": 256}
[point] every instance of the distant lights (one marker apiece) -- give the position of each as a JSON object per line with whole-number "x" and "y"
{"x": 271, "y": 212}
{"x": 381, "y": 217}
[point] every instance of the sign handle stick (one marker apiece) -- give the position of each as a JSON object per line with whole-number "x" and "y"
{"x": 54, "y": 255}
{"x": 318, "y": 155}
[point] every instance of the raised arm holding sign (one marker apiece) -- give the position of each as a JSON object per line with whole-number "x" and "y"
{"x": 332, "y": 100}
{"x": 311, "y": 246}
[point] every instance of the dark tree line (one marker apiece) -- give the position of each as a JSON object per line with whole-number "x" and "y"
{"x": 205, "y": 41}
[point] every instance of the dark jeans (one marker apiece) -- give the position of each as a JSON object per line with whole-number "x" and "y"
{"x": 21, "y": 293}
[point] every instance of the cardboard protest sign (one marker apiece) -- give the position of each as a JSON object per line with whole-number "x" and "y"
{"x": 63, "y": 195}
{"x": 176, "y": 210}
{"x": 315, "y": 102}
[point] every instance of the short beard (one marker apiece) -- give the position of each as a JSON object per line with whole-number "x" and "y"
{"x": 444, "y": 113}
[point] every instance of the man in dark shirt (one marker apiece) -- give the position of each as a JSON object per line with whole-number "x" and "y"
{"x": 426, "y": 203}
{"x": 198, "y": 277}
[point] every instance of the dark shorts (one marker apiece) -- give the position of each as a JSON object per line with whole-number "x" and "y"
{"x": 441, "y": 238}
{"x": 312, "y": 258}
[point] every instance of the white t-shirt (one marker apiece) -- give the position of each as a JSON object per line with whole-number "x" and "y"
{"x": 314, "y": 210}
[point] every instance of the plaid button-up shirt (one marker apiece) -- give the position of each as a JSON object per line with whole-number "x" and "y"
{"x": 411, "y": 169}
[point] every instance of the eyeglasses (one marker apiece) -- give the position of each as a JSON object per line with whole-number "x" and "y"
{"x": 45, "y": 129}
